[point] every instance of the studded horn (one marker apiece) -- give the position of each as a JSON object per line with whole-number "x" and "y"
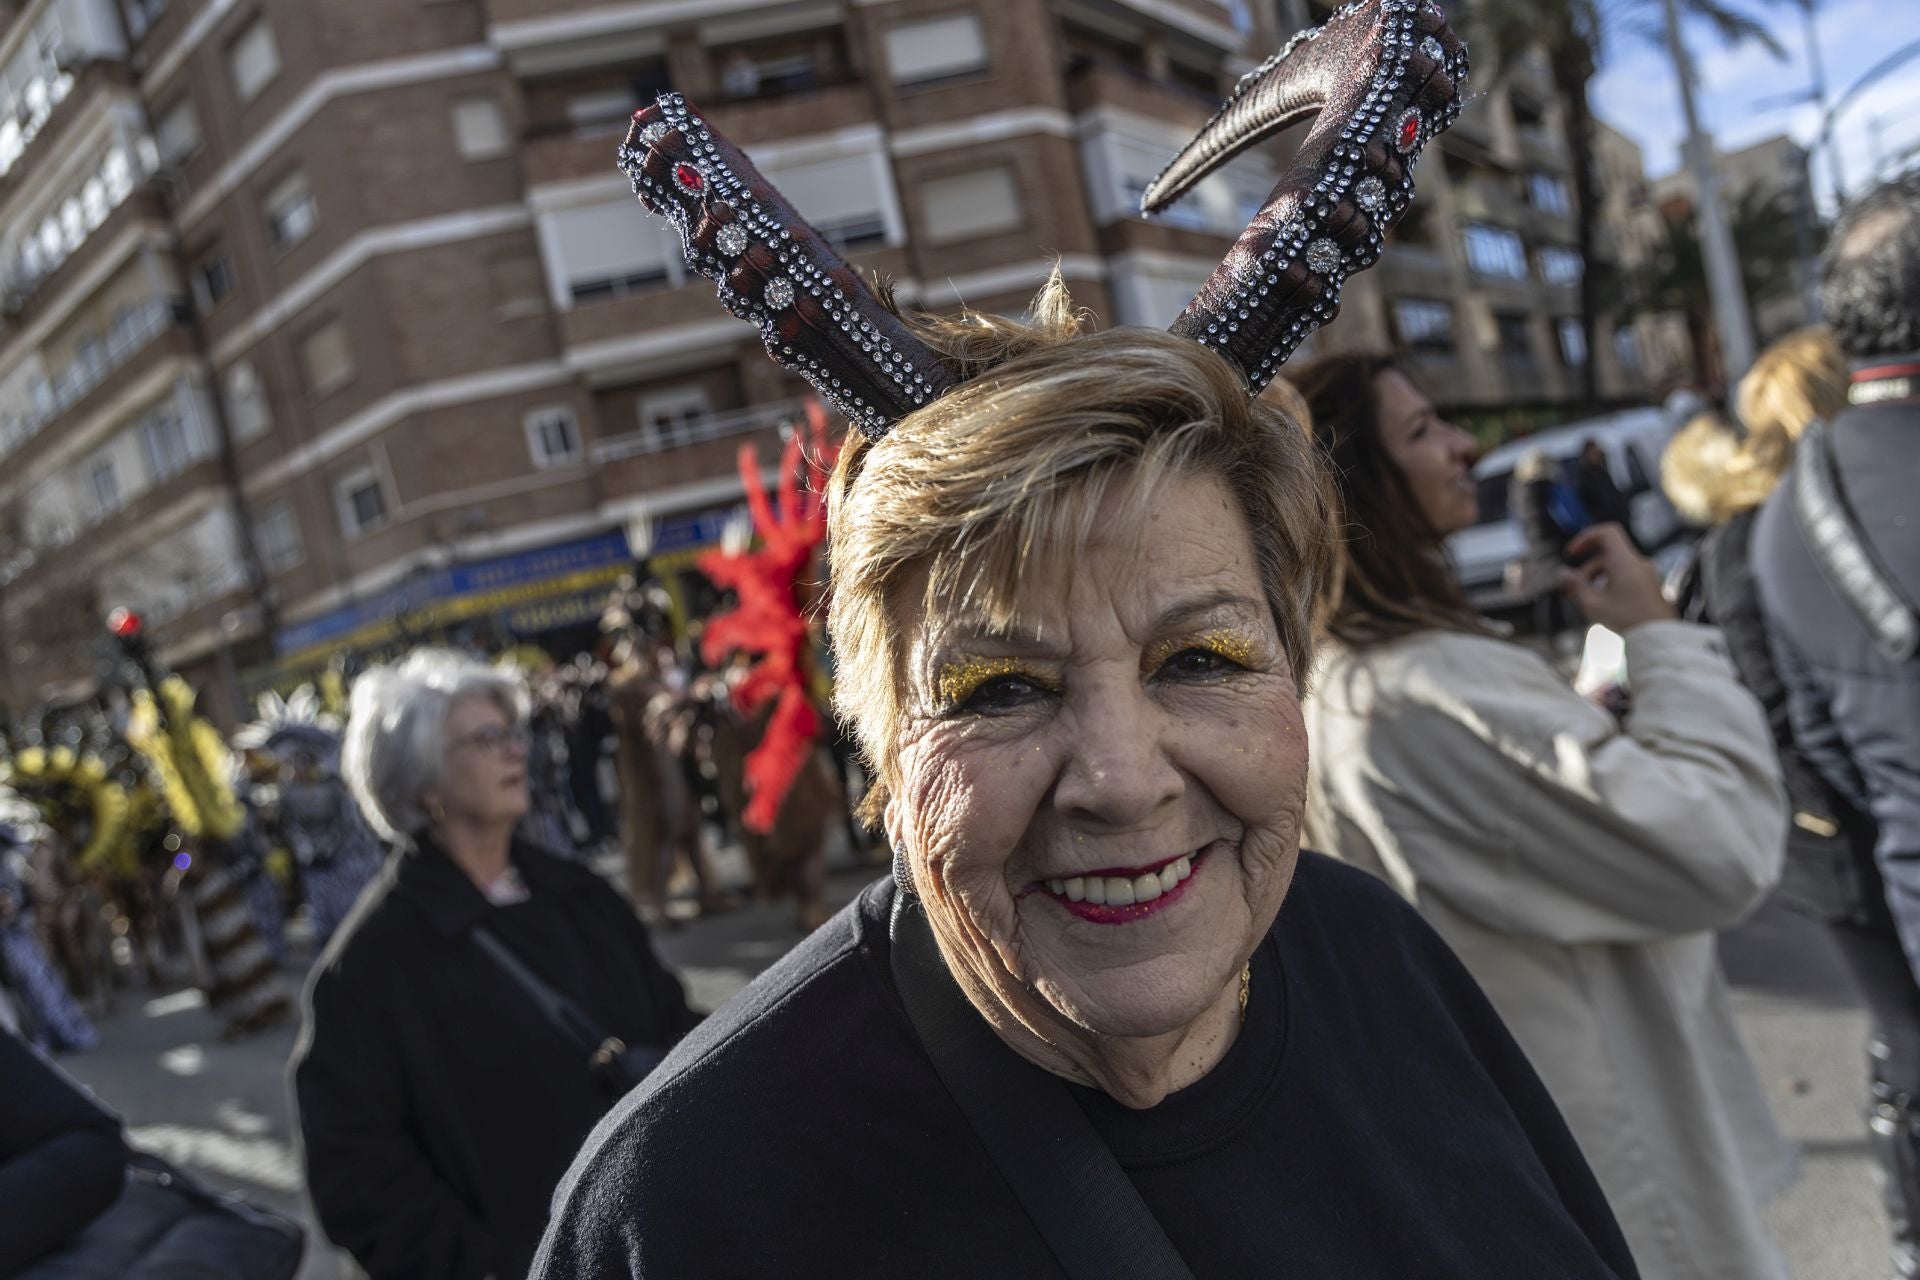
{"x": 815, "y": 314}
{"x": 1384, "y": 76}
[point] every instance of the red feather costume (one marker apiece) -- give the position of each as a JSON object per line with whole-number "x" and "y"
{"x": 767, "y": 623}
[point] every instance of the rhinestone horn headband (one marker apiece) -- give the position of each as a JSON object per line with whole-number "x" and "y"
{"x": 1384, "y": 76}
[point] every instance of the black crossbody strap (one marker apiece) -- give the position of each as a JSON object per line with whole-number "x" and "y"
{"x": 1062, "y": 1172}
{"x": 567, "y": 1017}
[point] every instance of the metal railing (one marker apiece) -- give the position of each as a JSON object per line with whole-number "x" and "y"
{"x": 713, "y": 427}
{"x": 131, "y": 335}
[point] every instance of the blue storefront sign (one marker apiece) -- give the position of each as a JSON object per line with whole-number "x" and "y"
{"x": 479, "y": 578}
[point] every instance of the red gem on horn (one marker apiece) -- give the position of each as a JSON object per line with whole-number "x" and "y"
{"x": 1409, "y": 131}
{"x": 688, "y": 179}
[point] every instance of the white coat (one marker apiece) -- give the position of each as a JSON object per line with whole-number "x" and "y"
{"x": 1580, "y": 866}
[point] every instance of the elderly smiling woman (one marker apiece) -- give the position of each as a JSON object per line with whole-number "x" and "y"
{"x": 1106, "y": 1019}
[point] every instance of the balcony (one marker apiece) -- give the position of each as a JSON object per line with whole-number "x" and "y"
{"x": 1094, "y": 82}
{"x": 568, "y": 152}
{"x": 23, "y": 287}
{"x": 656, "y": 313}
{"x": 719, "y": 426}
{"x": 32, "y": 150}
{"x": 700, "y": 452}
{"x": 138, "y": 331}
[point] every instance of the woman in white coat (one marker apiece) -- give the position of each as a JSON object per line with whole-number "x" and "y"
{"x": 1578, "y": 863}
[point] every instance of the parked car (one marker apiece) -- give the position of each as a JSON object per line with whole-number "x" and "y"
{"x": 1633, "y": 441}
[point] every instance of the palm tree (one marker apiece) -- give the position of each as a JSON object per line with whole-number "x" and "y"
{"x": 1574, "y": 35}
{"x": 1767, "y": 227}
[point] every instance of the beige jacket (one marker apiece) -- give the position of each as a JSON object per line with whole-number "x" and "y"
{"x": 1580, "y": 866}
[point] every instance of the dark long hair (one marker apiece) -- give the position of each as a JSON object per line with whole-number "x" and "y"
{"x": 1394, "y": 579}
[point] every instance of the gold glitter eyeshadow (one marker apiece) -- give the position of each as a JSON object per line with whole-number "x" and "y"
{"x": 960, "y": 680}
{"x": 1231, "y": 645}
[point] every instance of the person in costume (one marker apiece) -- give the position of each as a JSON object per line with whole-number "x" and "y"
{"x": 439, "y": 1100}
{"x": 1106, "y": 1019}
{"x": 222, "y": 862}
{"x": 657, "y": 714}
{"x": 51, "y": 1018}
{"x": 1579, "y": 863}
{"x": 765, "y": 743}
{"x": 314, "y": 814}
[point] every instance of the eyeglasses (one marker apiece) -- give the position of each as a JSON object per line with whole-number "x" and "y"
{"x": 494, "y": 740}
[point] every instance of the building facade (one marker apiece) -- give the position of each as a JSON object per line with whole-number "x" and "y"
{"x": 331, "y": 325}
{"x": 1480, "y": 286}
{"x": 1766, "y": 189}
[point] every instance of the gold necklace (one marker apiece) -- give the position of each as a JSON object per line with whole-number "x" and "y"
{"x": 1246, "y": 983}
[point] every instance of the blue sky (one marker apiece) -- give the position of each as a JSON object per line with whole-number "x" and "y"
{"x": 1638, "y": 94}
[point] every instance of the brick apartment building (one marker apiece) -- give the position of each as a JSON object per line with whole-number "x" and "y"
{"x": 330, "y": 323}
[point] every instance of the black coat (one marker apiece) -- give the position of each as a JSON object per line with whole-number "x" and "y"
{"x": 1830, "y": 871}
{"x": 1856, "y": 714}
{"x": 62, "y": 1161}
{"x": 438, "y": 1107}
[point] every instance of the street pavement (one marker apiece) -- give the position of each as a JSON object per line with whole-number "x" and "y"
{"x": 222, "y": 1111}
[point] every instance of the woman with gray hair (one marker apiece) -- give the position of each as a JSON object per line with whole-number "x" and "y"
{"x": 469, "y": 1024}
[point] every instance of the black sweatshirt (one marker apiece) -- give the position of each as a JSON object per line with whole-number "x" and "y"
{"x": 1373, "y": 1119}
{"x": 62, "y": 1161}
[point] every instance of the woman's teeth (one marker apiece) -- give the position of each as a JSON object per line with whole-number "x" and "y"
{"x": 1123, "y": 891}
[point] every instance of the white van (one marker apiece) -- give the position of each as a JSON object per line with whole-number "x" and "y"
{"x": 1633, "y": 441}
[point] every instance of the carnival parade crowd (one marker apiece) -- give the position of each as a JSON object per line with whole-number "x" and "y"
{"x": 1246, "y": 902}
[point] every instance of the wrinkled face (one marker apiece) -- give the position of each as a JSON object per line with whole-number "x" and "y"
{"x": 483, "y": 781}
{"x": 1102, "y": 810}
{"x": 1434, "y": 456}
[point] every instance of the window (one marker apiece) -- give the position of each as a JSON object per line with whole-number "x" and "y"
{"x": 164, "y": 444}
{"x": 253, "y": 60}
{"x": 291, "y": 212}
{"x": 586, "y": 110}
{"x": 276, "y": 536}
{"x": 177, "y": 135}
{"x": 326, "y": 359}
{"x": 607, "y": 250}
{"x": 936, "y": 49}
{"x": 362, "y": 502}
{"x": 1495, "y": 251}
{"x": 1516, "y": 335}
{"x": 212, "y": 279}
{"x": 247, "y": 414}
{"x": 1549, "y": 194}
{"x": 479, "y": 128}
{"x": 671, "y": 417}
{"x": 1573, "y": 342}
{"x": 1560, "y": 266}
{"x": 103, "y": 487}
{"x": 1626, "y": 348}
{"x": 1425, "y": 324}
{"x": 966, "y": 205}
{"x": 553, "y": 437}
{"x": 842, "y": 198}
{"x": 93, "y": 202}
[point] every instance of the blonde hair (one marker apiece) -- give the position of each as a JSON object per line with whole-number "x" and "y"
{"x": 1696, "y": 466}
{"x": 1798, "y": 379}
{"x": 1011, "y": 467}
{"x": 1711, "y": 473}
